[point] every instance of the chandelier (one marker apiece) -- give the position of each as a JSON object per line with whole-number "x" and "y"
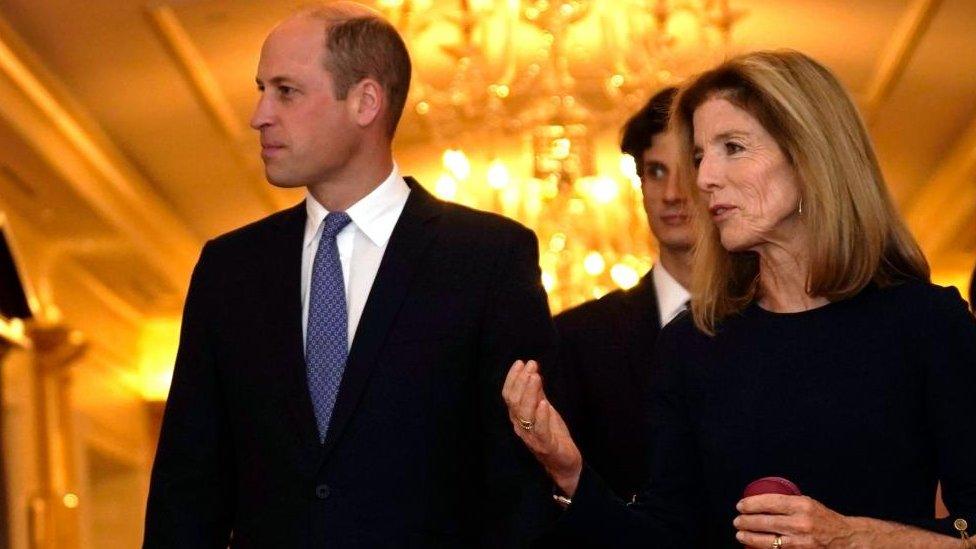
{"x": 549, "y": 75}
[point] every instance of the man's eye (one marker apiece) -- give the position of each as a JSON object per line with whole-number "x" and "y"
{"x": 697, "y": 159}
{"x": 655, "y": 172}
{"x": 285, "y": 90}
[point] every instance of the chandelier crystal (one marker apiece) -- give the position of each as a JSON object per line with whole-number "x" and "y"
{"x": 553, "y": 74}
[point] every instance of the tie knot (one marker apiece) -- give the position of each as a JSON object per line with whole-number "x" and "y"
{"x": 333, "y": 223}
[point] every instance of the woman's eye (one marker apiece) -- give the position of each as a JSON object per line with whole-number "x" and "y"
{"x": 732, "y": 147}
{"x": 697, "y": 159}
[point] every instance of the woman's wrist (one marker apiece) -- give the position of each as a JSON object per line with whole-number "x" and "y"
{"x": 868, "y": 532}
{"x": 568, "y": 480}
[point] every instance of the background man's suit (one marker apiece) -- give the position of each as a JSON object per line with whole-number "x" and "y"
{"x": 603, "y": 370}
{"x": 419, "y": 453}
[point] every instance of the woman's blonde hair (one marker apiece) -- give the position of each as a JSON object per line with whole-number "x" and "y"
{"x": 856, "y": 236}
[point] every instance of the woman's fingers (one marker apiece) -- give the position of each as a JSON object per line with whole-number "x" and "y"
{"x": 542, "y": 429}
{"x": 508, "y": 388}
{"x": 754, "y": 539}
{"x": 528, "y": 400}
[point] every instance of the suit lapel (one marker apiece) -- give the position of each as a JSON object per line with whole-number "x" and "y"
{"x": 410, "y": 238}
{"x": 285, "y": 320}
{"x": 643, "y": 309}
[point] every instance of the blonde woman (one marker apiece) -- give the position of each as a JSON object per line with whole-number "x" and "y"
{"x": 816, "y": 348}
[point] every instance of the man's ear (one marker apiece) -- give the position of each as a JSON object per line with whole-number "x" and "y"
{"x": 366, "y": 101}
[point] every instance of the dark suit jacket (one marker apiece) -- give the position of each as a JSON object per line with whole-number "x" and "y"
{"x": 603, "y": 369}
{"x": 419, "y": 453}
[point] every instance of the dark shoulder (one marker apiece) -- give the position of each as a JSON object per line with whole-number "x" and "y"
{"x": 915, "y": 296}
{"x": 922, "y": 301}
{"x": 596, "y": 312}
{"x": 464, "y": 218}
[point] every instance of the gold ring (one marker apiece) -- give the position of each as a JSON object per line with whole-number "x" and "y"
{"x": 526, "y": 424}
{"x": 777, "y": 542}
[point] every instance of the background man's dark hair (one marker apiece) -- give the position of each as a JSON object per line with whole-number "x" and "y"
{"x": 652, "y": 119}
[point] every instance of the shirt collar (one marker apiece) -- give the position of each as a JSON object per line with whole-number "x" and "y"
{"x": 671, "y": 296}
{"x": 375, "y": 214}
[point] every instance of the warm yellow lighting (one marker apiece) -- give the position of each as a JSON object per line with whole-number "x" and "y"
{"x": 624, "y": 276}
{"x": 500, "y": 90}
{"x": 456, "y": 162}
{"x": 577, "y": 206}
{"x": 158, "y": 342}
{"x": 594, "y": 264}
{"x": 683, "y": 25}
{"x": 603, "y": 190}
{"x": 423, "y": 108}
{"x": 498, "y": 175}
{"x": 70, "y": 500}
{"x": 481, "y": 5}
{"x": 446, "y": 187}
{"x": 560, "y": 148}
{"x": 628, "y": 167}
{"x": 957, "y": 278}
{"x": 548, "y": 281}
{"x": 390, "y": 3}
{"x": 51, "y": 314}
{"x": 599, "y": 291}
{"x": 557, "y": 243}
{"x": 13, "y": 330}
{"x": 617, "y": 80}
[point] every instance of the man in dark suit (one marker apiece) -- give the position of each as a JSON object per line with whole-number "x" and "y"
{"x": 340, "y": 364}
{"x": 606, "y": 345}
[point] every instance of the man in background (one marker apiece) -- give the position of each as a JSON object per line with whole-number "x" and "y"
{"x": 606, "y": 345}
{"x": 340, "y": 363}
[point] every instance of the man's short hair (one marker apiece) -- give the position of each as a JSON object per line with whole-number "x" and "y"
{"x": 360, "y": 43}
{"x": 651, "y": 120}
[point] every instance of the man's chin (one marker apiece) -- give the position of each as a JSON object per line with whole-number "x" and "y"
{"x": 282, "y": 182}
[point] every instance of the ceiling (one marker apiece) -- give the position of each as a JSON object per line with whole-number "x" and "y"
{"x": 124, "y": 142}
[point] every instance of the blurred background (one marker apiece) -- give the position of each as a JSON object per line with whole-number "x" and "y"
{"x": 124, "y": 146}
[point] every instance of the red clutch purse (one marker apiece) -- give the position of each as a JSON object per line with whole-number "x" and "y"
{"x": 771, "y": 485}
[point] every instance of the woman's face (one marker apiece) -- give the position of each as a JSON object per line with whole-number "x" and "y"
{"x": 749, "y": 185}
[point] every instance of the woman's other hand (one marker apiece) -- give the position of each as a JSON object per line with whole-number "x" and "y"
{"x": 801, "y": 522}
{"x": 540, "y": 426}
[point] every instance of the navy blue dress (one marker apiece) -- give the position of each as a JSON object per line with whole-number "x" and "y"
{"x": 865, "y": 403}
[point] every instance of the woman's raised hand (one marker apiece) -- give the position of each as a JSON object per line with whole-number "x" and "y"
{"x": 540, "y": 426}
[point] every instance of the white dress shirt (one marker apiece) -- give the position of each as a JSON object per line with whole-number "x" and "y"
{"x": 671, "y": 296}
{"x": 361, "y": 243}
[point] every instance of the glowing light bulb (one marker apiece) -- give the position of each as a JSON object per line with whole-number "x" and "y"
{"x": 604, "y": 190}
{"x": 456, "y": 162}
{"x": 446, "y": 187}
{"x": 548, "y": 281}
{"x": 557, "y": 243}
{"x": 624, "y": 276}
{"x": 594, "y": 264}
{"x": 498, "y": 175}
{"x": 560, "y": 148}
{"x": 70, "y": 500}
{"x": 628, "y": 167}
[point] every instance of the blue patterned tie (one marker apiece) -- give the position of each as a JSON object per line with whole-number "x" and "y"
{"x": 325, "y": 339}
